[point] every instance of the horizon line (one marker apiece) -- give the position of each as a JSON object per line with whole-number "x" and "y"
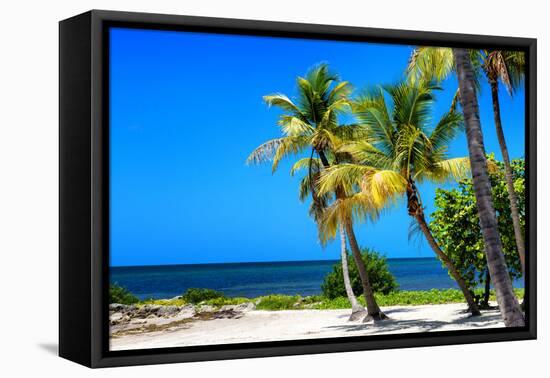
{"x": 261, "y": 262}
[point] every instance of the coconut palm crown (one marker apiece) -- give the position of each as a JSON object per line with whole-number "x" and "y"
{"x": 402, "y": 148}
{"x": 310, "y": 124}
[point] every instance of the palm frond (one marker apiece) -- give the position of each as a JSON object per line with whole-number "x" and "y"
{"x": 446, "y": 129}
{"x": 265, "y": 151}
{"x": 428, "y": 64}
{"x": 450, "y": 169}
{"x": 306, "y": 163}
{"x": 345, "y": 176}
{"x": 294, "y": 126}
{"x": 282, "y": 101}
{"x": 291, "y": 145}
{"x": 384, "y": 187}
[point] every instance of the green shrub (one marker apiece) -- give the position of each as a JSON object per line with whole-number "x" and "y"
{"x": 455, "y": 224}
{"x": 222, "y": 301}
{"x": 381, "y": 279}
{"x": 277, "y": 302}
{"x": 119, "y": 294}
{"x": 194, "y": 295}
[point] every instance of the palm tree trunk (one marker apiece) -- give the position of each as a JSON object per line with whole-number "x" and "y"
{"x": 373, "y": 310}
{"x": 507, "y": 302}
{"x": 472, "y": 306}
{"x": 487, "y": 292}
{"x": 508, "y": 176}
{"x": 357, "y": 311}
{"x": 415, "y": 210}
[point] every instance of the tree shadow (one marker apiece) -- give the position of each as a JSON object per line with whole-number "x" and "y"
{"x": 422, "y": 325}
{"x": 399, "y": 309}
{"x": 392, "y": 325}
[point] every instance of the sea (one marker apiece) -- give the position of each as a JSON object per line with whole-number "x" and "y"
{"x": 262, "y": 278}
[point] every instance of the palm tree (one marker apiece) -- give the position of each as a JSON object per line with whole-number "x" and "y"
{"x": 508, "y": 68}
{"x": 317, "y": 210}
{"x": 507, "y": 302}
{"x": 402, "y": 151}
{"x": 311, "y": 123}
{"x": 357, "y": 311}
{"x": 437, "y": 63}
{"x": 355, "y": 202}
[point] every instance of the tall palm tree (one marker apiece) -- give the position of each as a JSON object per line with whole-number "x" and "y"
{"x": 437, "y": 63}
{"x": 507, "y": 67}
{"x": 355, "y": 202}
{"x": 317, "y": 210}
{"x": 507, "y": 301}
{"x": 311, "y": 124}
{"x": 403, "y": 150}
{"x": 357, "y": 311}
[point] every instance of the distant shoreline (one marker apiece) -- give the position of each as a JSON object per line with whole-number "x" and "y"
{"x": 282, "y": 262}
{"x": 257, "y": 279}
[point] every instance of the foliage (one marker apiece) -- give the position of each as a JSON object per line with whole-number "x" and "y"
{"x": 407, "y": 298}
{"x": 194, "y": 295}
{"x": 401, "y": 147}
{"x": 222, "y": 301}
{"x": 278, "y": 302}
{"x": 310, "y": 124}
{"x": 119, "y": 294}
{"x": 178, "y": 301}
{"x": 296, "y": 302}
{"x": 381, "y": 279}
{"x": 455, "y": 223}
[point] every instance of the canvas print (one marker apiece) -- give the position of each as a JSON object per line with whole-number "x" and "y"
{"x": 275, "y": 189}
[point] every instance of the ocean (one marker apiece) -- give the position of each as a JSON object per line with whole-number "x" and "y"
{"x": 256, "y": 279}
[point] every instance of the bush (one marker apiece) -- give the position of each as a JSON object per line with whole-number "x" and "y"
{"x": 455, "y": 224}
{"x": 119, "y": 294}
{"x": 194, "y": 295}
{"x": 381, "y": 279}
{"x": 278, "y": 302}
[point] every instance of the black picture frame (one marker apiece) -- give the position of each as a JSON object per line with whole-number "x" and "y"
{"x": 84, "y": 188}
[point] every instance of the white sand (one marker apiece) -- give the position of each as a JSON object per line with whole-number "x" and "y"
{"x": 256, "y": 326}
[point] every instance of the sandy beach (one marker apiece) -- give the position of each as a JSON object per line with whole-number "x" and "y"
{"x": 253, "y": 326}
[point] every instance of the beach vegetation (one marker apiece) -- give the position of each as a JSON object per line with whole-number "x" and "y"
{"x": 223, "y": 301}
{"x": 278, "y": 302}
{"x": 121, "y": 295}
{"x": 381, "y": 279}
{"x": 197, "y": 295}
{"x": 455, "y": 225}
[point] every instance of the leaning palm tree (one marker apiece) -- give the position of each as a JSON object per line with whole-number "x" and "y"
{"x": 507, "y": 301}
{"x": 310, "y": 124}
{"x": 437, "y": 63}
{"x": 403, "y": 150}
{"x": 355, "y": 202}
{"x": 507, "y": 67}
{"x": 317, "y": 210}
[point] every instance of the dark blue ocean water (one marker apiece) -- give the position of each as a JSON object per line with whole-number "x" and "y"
{"x": 255, "y": 279}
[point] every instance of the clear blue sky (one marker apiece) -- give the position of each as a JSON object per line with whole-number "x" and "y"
{"x": 187, "y": 109}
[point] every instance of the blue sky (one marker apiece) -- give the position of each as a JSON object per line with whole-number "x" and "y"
{"x": 186, "y": 111}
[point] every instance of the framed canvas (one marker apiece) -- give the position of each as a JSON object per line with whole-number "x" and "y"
{"x": 236, "y": 188}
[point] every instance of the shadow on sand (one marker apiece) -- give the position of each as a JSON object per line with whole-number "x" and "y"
{"x": 423, "y": 325}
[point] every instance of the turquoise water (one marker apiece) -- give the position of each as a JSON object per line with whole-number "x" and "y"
{"x": 255, "y": 279}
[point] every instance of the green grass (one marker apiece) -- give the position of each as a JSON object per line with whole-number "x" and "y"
{"x": 296, "y": 302}
{"x": 278, "y": 302}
